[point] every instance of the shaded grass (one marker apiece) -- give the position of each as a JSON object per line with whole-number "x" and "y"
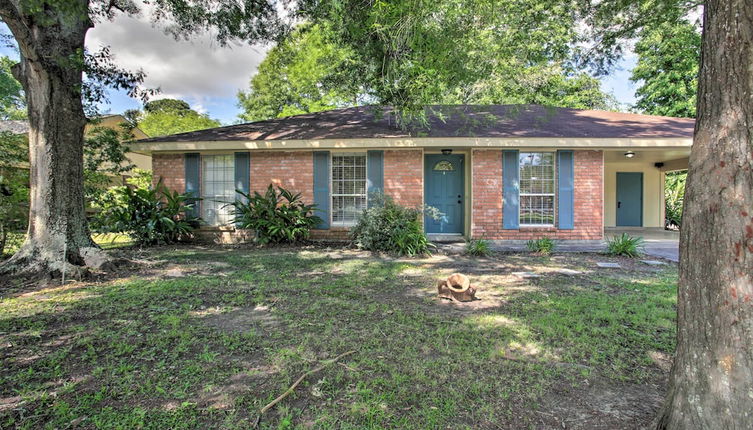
{"x": 104, "y": 240}
{"x": 146, "y": 351}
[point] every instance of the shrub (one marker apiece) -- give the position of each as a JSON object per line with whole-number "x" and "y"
{"x": 478, "y": 247}
{"x": 389, "y": 227}
{"x": 148, "y": 215}
{"x": 277, "y": 216}
{"x": 674, "y": 194}
{"x": 543, "y": 246}
{"x": 625, "y": 245}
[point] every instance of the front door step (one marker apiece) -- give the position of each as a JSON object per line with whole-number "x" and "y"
{"x": 445, "y": 237}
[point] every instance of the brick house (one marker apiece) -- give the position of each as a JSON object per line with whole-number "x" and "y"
{"x": 497, "y": 172}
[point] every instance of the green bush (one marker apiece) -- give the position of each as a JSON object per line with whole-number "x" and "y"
{"x": 674, "y": 195}
{"x": 148, "y": 215}
{"x": 389, "y": 227}
{"x": 543, "y": 246}
{"x": 625, "y": 245}
{"x": 478, "y": 247}
{"x": 278, "y": 216}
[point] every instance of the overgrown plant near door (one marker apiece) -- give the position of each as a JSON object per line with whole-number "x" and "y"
{"x": 389, "y": 227}
{"x": 277, "y": 216}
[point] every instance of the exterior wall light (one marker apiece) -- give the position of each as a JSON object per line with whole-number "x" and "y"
{"x": 446, "y": 151}
{"x": 629, "y": 154}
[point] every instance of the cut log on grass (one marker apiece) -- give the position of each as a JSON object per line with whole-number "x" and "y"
{"x": 290, "y": 390}
{"x": 456, "y": 287}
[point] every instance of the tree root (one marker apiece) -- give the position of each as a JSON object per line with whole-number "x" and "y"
{"x": 32, "y": 264}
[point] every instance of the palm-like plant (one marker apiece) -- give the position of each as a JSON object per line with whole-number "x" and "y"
{"x": 277, "y": 216}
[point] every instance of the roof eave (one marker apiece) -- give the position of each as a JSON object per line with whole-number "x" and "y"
{"x": 418, "y": 142}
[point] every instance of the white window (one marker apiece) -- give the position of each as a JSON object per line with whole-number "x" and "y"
{"x": 537, "y": 185}
{"x": 217, "y": 188}
{"x": 348, "y": 188}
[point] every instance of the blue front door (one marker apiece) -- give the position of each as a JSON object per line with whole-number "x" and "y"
{"x": 629, "y": 199}
{"x": 443, "y": 188}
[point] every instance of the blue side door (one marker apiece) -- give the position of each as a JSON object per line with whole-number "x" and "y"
{"x": 444, "y": 190}
{"x": 629, "y": 199}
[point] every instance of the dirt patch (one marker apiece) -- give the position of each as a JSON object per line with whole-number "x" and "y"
{"x": 600, "y": 404}
{"x": 239, "y": 320}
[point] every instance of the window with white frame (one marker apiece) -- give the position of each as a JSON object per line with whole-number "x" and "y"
{"x": 217, "y": 188}
{"x": 537, "y": 185}
{"x": 348, "y": 188}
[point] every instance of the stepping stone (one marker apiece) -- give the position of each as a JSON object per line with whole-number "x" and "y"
{"x": 526, "y": 275}
{"x": 654, "y": 262}
{"x": 608, "y": 265}
{"x": 568, "y": 272}
{"x": 175, "y": 273}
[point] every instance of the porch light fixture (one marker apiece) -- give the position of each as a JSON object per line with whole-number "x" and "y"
{"x": 629, "y": 154}
{"x": 446, "y": 151}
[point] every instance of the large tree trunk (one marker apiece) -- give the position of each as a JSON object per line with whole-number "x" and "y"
{"x": 50, "y": 71}
{"x": 711, "y": 385}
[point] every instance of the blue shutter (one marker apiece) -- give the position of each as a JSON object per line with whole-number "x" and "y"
{"x": 321, "y": 187}
{"x": 242, "y": 172}
{"x": 565, "y": 190}
{"x": 193, "y": 175}
{"x": 375, "y": 171}
{"x": 511, "y": 194}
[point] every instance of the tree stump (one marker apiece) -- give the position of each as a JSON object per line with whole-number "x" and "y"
{"x": 456, "y": 287}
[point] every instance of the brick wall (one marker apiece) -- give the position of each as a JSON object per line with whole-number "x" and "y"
{"x": 403, "y": 176}
{"x": 171, "y": 169}
{"x": 293, "y": 170}
{"x": 486, "y": 213}
{"x": 487, "y": 199}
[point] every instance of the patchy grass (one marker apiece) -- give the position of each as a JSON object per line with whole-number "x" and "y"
{"x": 104, "y": 240}
{"x": 204, "y": 337}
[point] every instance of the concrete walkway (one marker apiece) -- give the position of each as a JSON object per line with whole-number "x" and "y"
{"x": 658, "y": 243}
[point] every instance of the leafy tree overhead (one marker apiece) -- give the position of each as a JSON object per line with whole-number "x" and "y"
{"x": 300, "y": 75}
{"x": 53, "y": 60}
{"x": 545, "y": 84}
{"x": 668, "y": 58}
{"x": 170, "y": 116}
{"x": 413, "y": 54}
{"x": 316, "y": 69}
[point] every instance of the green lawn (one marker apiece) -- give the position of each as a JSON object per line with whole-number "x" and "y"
{"x": 204, "y": 337}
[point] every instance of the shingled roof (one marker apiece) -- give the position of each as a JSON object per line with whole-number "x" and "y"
{"x": 492, "y": 121}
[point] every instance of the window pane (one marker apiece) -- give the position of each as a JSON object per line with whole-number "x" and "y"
{"x": 537, "y": 210}
{"x": 537, "y": 185}
{"x": 348, "y": 188}
{"x": 217, "y": 188}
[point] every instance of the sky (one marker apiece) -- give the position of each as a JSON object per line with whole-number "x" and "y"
{"x": 209, "y": 76}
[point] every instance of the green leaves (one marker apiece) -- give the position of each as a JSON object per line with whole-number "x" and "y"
{"x": 302, "y": 74}
{"x": 387, "y": 226}
{"x": 170, "y": 116}
{"x": 12, "y": 98}
{"x": 668, "y": 61}
{"x": 625, "y": 245}
{"x": 278, "y": 216}
{"x": 149, "y": 215}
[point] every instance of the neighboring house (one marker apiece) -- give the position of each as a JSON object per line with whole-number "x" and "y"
{"x": 496, "y": 172}
{"x": 141, "y": 161}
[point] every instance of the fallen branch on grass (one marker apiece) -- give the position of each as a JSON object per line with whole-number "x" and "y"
{"x": 324, "y": 364}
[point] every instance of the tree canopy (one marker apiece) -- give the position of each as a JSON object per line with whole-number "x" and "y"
{"x": 668, "y": 60}
{"x": 299, "y": 75}
{"x": 169, "y": 116}
{"x": 525, "y": 57}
